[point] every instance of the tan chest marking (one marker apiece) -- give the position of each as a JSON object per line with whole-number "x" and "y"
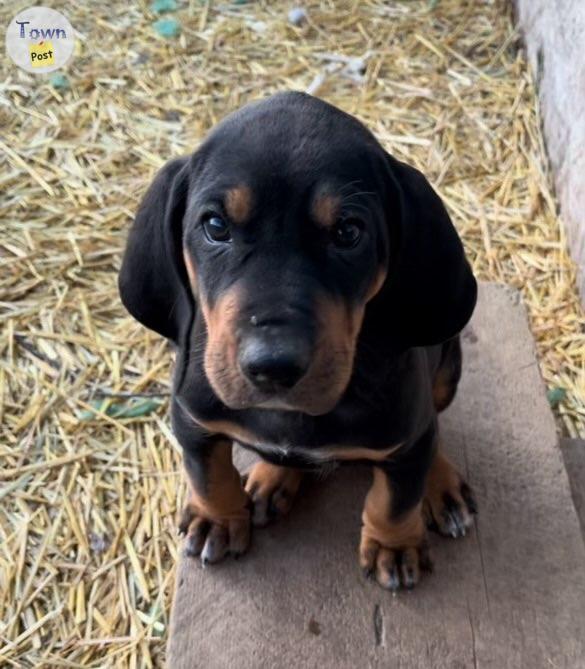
{"x": 321, "y": 454}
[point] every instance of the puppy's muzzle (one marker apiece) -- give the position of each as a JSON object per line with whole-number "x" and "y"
{"x": 274, "y": 358}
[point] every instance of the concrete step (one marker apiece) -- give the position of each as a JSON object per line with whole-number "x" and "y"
{"x": 511, "y": 594}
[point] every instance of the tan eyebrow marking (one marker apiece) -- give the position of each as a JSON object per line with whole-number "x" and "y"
{"x": 325, "y": 210}
{"x": 238, "y": 203}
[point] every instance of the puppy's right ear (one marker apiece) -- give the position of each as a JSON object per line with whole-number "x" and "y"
{"x": 153, "y": 280}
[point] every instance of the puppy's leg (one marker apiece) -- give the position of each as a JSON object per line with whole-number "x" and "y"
{"x": 393, "y": 542}
{"x": 448, "y": 374}
{"x": 449, "y": 503}
{"x": 272, "y": 489}
{"x": 216, "y": 518}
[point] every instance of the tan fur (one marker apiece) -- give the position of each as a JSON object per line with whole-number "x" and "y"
{"x": 394, "y": 549}
{"x": 265, "y": 475}
{"x": 191, "y": 272}
{"x": 229, "y": 429}
{"x": 318, "y": 391}
{"x": 220, "y": 360}
{"x": 325, "y": 210}
{"x": 357, "y": 453}
{"x": 322, "y": 454}
{"x": 338, "y": 328}
{"x": 222, "y": 499}
{"x": 378, "y": 525}
{"x": 376, "y": 285}
{"x": 443, "y": 479}
{"x": 442, "y": 390}
{"x": 238, "y": 204}
{"x": 266, "y": 479}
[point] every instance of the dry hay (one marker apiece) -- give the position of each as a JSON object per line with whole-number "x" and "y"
{"x": 87, "y": 535}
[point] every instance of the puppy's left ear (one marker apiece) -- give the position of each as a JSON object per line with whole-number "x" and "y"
{"x": 153, "y": 279}
{"x": 430, "y": 291}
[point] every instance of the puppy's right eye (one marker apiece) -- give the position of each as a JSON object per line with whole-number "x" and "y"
{"x": 346, "y": 234}
{"x": 216, "y": 229}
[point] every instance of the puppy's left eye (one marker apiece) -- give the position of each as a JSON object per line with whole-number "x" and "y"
{"x": 347, "y": 233}
{"x": 216, "y": 229}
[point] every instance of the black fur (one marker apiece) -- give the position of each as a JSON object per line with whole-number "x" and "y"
{"x": 286, "y": 147}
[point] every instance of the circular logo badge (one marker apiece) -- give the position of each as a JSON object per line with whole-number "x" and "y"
{"x": 40, "y": 39}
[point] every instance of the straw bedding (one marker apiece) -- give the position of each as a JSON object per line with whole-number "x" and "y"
{"x": 90, "y": 477}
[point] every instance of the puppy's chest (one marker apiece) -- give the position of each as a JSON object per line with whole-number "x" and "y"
{"x": 285, "y": 435}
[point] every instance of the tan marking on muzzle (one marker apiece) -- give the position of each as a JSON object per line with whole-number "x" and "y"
{"x": 238, "y": 204}
{"x": 340, "y": 325}
{"x": 191, "y": 273}
{"x": 220, "y": 360}
{"x": 330, "y": 371}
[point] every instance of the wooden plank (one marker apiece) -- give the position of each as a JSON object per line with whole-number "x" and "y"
{"x": 574, "y": 457}
{"x": 511, "y": 594}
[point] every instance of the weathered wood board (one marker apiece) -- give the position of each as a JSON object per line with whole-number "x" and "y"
{"x": 511, "y": 594}
{"x": 574, "y": 457}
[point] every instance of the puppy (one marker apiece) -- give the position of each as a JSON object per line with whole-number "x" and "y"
{"x": 314, "y": 287}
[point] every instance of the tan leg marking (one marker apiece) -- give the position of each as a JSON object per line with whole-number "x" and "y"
{"x": 449, "y": 503}
{"x": 272, "y": 490}
{"x": 216, "y": 519}
{"x": 395, "y": 550}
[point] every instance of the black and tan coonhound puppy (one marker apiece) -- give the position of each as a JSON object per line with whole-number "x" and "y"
{"x": 315, "y": 288}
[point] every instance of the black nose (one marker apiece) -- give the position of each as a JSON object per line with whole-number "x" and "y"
{"x": 275, "y": 361}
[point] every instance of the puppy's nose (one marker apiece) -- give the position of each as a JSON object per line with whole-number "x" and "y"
{"x": 274, "y": 362}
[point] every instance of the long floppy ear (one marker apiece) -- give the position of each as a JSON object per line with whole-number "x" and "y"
{"x": 430, "y": 291}
{"x": 153, "y": 280}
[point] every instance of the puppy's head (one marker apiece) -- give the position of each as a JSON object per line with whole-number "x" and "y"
{"x": 291, "y": 229}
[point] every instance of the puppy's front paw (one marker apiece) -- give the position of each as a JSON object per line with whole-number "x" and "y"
{"x": 393, "y": 545}
{"x": 394, "y": 566}
{"x": 449, "y": 503}
{"x": 214, "y": 538}
{"x": 272, "y": 490}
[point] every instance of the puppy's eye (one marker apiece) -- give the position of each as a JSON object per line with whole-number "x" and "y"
{"x": 347, "y": 233}
{"x": 216, "y": 229}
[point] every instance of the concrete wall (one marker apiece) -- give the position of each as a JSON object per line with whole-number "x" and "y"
{"x": 554, "y": 34}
